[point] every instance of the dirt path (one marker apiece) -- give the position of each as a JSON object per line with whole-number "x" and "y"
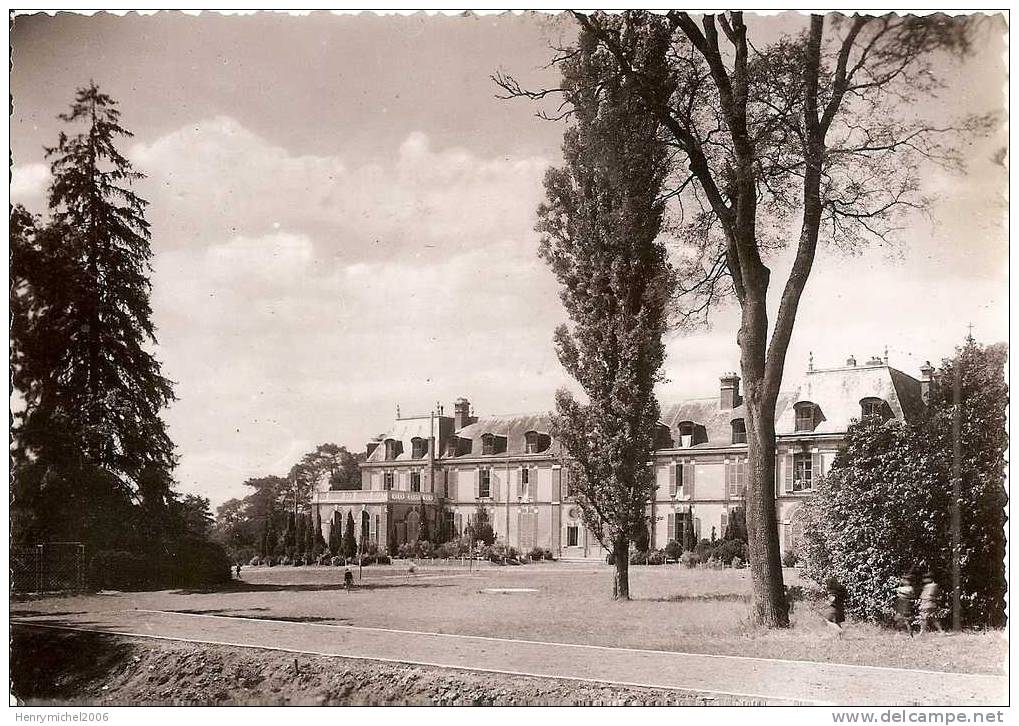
{"x": 788, "y": 681}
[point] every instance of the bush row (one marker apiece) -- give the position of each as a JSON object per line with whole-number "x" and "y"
{"x": 323, "y": 559}
{"x": 193, "y": 563}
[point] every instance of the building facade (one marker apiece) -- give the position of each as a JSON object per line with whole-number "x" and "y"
{"x": 438, "y": 471}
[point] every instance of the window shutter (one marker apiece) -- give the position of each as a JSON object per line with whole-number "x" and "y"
{"x": 672, "y": 527}
{"x": 729, "y": 471}
{"x": 520, "y": 481}
{"x": 451, "y": 478}
{"x": 724, "y": 524}
{"x": 697, "y": 528}
{"x": 458, "y": 523}
{"x": 815, "y": 468}
{"x": 688, "y": 478}
{"x": 820, "y": 466}
{"x": 672, "y": 478}
{"x": 557, "y": 484}
{"x": 789, "y": 472}
{"x": 494, "y": 484}
{"x": 477, "y": 483}
{"x": 566, "y": 481}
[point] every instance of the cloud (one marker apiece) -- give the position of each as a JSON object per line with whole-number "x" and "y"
{"x": 299, "y": 299}
{"x": 28, "y": 185}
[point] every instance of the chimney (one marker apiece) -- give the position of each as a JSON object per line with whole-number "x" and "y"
{"x": 729, "y": 398}
{"x": 462, "y": 413}
{"x": 851, "y": 361}
{"x": 926, "y": 374}
{"x": 875, "y": 360}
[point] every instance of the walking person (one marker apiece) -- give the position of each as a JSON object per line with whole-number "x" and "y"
{"x": 930, "y": 602}
{"x": 905, "y": 601}
{"x": 237, "y": 570}
{"x": 348, "y": 579}
{"x": 835, "y": 613}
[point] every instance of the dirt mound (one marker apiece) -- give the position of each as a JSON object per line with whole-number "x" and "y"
{"x": 50, "y": 666}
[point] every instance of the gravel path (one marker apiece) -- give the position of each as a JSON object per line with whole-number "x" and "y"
{"x": 720, "y": 676}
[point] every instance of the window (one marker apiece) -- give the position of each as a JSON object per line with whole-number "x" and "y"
{"x": 415, "y": 481}
{"x": 485, "y": 483}
{"x": 572, "y": 535}
{"x": 803, "y": 472}
{"x": 387, "y": 481}
{"x": 736, "y": 478}
{"x": 451, "y": 446}
{"x": 806, "y": 416}
{"x": 687, "y": 429}
{"x": 531, "y": 437}
{"x": 393, "y": 449}
{"x": 525, "y": 482}
{"x": 875, "y": 407}
{"x": 418, "y": 448}
{"x": 488, "y": 444}
{"x": 739, "y": 431}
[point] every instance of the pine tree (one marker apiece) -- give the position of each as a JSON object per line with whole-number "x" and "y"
{"x": 600, "y": 227}
{"x": 90, "y": 439}
{"x": 423, "y": 533}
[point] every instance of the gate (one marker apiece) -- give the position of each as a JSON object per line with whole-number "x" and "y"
{"x": 49, "y": 567}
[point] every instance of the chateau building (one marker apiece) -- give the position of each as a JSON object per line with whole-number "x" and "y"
{"x": 438, "y": 471}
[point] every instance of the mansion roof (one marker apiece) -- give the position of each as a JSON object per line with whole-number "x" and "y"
{"x": 838, "y": 395}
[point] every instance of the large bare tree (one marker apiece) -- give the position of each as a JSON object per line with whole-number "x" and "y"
{"x": 805, "y": 138}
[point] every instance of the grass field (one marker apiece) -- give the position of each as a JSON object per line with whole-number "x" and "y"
{"x": 675, "y": 609}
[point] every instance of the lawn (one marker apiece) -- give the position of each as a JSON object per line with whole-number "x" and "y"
{"x": 673, "y": 608}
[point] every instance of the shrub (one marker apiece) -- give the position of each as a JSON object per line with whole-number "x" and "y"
{"x": 789, "y": 558}
{"x": 738, "y": 563}
{"x": 337, "y": 561}
{"x": 714, "y": 563}
{"x": 690, "y": 559}
{"x": 197, "y": 563}
{"x": 610, "y": 558}
{"x": 425, "y": 549}
{"x": 729, "y": 549}
{"x": 255, "y": 561}
{"x": 673, "y": 549}
{"x": 119, "y": 570}
{"x": 656, "y": 557}
{"x": 406, "y": 551}
{"x": 547, "y": 554}
{"x": 704, "y": 548}
{"x": 638, "y": 558}
{"x": 324, "y": 558}
{"x": 536, "y": 553}
{"x": 383, "y": 559}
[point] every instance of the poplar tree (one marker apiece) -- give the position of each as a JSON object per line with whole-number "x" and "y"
{"x": 600, "y": 229}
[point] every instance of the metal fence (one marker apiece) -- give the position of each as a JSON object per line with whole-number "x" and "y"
{"x": 49, "y": 567}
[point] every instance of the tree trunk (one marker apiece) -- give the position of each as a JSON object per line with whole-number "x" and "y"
{"x": 768, "y": 606}
{"x": 621, "y": 553}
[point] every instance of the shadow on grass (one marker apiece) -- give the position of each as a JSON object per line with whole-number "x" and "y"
{"x": 236, "y": 586}
{"x": 703, "y": 597}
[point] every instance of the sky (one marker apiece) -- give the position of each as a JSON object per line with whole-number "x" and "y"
{"x": 342, "y": 222}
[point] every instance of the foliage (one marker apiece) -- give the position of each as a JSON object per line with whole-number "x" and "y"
{"x": 600, "y": 226}
{"x": 790, "y": 558}
{"x": 673, "y": 549}
{"x": 349, "y": 541}
{"x": 690, "y": 559}
{"x": 480, "y": 528}
{"x": 885, "y": 505}
{"x": 736, "y": 528}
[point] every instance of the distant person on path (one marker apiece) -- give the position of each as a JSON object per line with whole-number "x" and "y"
{"x": 905, "y": 601}
{"x": 237, "y": 570}
{"x": 930, "y": 601}
{"x": 348, "y": 578}
{"x": 835, "y": 613}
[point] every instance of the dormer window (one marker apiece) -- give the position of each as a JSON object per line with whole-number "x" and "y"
{"x": 687, "y": 433}
{"x": 452, "y": 445}
{"x": 808, "y": 416}
{"x": 739, "y": 431}
{"x": 535, "y": 442}
{"x": 876, "y": 408}
{"x": 393, "y": 449}
{"x": 418, "y": 447}
{"x": 488, "y": 444}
